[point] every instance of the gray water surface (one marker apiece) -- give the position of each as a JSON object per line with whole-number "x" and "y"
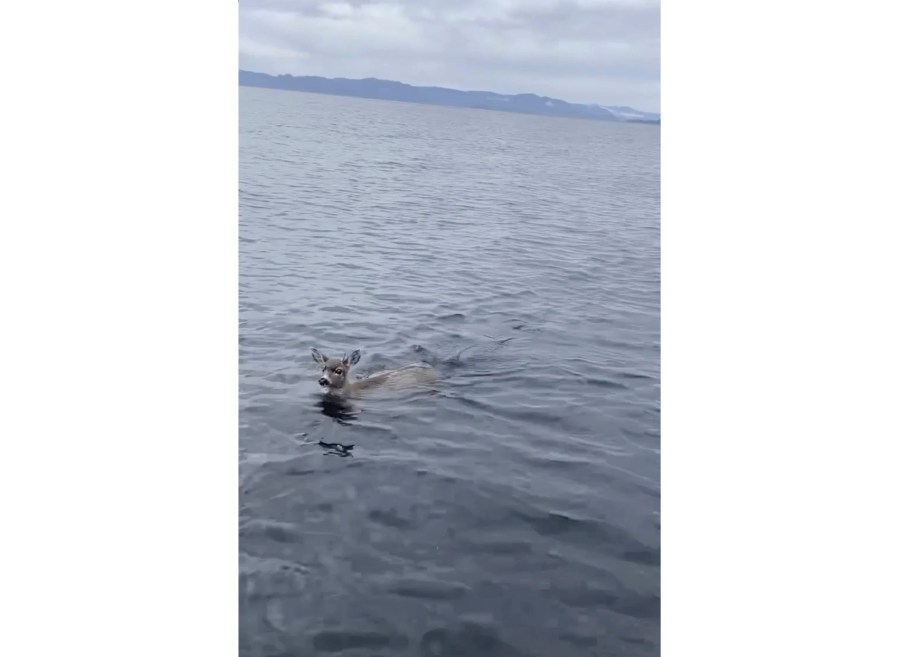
{"x": 513, "y": 508}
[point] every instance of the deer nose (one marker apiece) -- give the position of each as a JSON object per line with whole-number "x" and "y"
{"x": 323, "y": 381}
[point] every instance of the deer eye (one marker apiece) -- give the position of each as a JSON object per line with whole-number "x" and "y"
{"x": 338, "y": 371}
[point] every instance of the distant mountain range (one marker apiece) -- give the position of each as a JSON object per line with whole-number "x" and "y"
{"x": 389, "y": 90}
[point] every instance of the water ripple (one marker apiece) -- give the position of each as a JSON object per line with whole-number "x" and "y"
{"x": 513, "y": 509}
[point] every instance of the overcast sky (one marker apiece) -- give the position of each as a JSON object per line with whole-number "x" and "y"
{"x": 583, "y": 51}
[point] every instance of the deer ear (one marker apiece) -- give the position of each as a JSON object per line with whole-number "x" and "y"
{"x": 319, "y": 357}
{"x": 354, "y": 357}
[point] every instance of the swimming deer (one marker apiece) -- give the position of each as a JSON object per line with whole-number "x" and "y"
{"x": 335, "y": 375}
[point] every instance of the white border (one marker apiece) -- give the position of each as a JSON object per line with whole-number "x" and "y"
{"x": 778, "y": 329}
{"x": 119, "y": 328}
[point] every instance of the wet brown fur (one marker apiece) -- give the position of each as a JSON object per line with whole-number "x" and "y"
{"x": 335, "y": 375}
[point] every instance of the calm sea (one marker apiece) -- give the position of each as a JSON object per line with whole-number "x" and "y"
{"x": 514, "y": 508}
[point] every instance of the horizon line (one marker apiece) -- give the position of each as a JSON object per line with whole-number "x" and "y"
{"x": 430, "y": 86}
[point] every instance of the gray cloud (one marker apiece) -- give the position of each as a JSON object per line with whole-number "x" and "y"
{"x": 588, "y": 51}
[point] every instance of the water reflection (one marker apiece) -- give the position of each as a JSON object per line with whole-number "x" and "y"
{"x": 337, "y": 449}
{"x": 338, "y": 409}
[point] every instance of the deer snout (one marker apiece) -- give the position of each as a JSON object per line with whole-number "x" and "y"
{"x": 323, "y": 381}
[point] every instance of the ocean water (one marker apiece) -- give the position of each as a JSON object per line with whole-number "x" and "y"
{"x": 512, "y": 508}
